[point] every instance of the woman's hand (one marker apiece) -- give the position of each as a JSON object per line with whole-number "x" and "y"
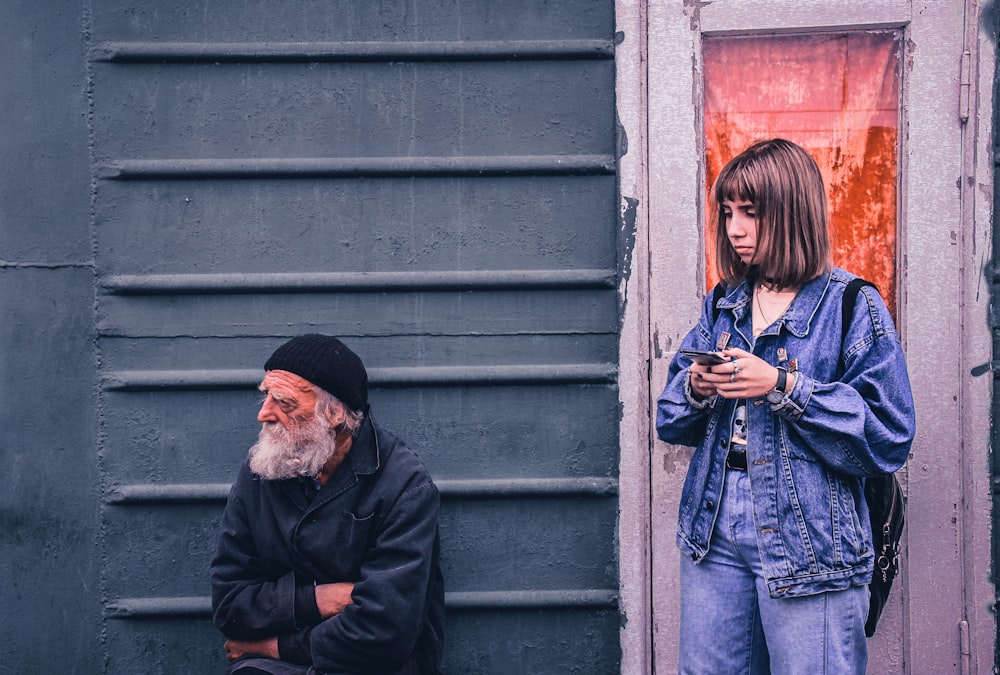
{"x": 743, "y": 376}
{"x": 700, "y": 387}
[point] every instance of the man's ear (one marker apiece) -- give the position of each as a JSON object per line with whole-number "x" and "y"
{"x": 336, "y": 416}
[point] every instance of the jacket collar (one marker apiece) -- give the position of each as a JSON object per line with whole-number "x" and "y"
{"x": 365, "y": 456}
{"x": 363, "y": 459}
{"x": 798, "y": 318}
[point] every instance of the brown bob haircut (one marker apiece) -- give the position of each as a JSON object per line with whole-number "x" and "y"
{"x": 784, "y": 184}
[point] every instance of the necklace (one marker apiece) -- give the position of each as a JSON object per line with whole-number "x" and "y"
{"x": 765, "y": 320}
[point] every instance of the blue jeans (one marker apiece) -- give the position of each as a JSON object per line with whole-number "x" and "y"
{"x": 729, "y": 623}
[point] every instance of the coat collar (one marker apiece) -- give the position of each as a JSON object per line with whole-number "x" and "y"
{"x": 365, "y": 456}
{"x": 363, "y": 459}
{"x": 798, "y": 318}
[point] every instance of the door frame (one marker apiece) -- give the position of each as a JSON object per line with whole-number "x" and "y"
{"x": 946, "y": 212}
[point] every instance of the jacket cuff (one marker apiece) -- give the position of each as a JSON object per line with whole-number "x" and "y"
{"x": 692, "y": 401}
{"x": 306, "y": 610}
{"x": 793, "y": 405}
{"x": 294, "y": 647}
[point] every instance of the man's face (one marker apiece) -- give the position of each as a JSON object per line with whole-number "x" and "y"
{"x": 288, "y": 399}
{"x": 294, "y": 441}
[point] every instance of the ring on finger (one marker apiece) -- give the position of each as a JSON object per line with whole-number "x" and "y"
{"x": 732, "y": 376}
{"x": 736, "y": 368}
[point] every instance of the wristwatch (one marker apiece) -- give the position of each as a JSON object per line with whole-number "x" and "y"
{"x": 776, "y": 395}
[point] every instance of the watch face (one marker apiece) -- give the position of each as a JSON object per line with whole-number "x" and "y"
{"x": 774, "y": 396}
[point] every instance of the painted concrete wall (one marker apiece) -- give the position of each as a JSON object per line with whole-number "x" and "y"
{"x": 50, "y": 564}
{"x": 189, "y": 184}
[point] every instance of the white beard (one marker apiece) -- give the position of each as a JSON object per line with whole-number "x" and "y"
{"x": 280, "y": 453}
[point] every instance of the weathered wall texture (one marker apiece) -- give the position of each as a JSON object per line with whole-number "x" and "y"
{"x": 50, "y": 565}
{"x": 187, "y": 184}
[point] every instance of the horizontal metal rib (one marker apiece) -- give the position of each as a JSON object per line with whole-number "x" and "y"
{"x": 590, "y": 486}
{"x": 181, "y": 380}
{"x": 174, "y": 493}
{"x": 358, "y": 167}
{"x": 533, "y": 599}
{"x": 156, "y": 608}
{"x": 357, "y": 282}
{"x": 417, "y": 376}
{"x": 201, "y": 606}
{"x": 192, "y": 493}
{"x": 318, "y": 52}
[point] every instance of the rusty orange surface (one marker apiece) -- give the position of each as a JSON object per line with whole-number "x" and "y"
{"x": 835, "y": 94}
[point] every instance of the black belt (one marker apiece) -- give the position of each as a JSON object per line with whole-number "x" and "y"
{"x": 736, "y": 460}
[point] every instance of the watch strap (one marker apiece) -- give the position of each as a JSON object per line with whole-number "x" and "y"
{"x": 782, "y": 380}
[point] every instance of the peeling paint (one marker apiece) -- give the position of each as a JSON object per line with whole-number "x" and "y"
{"x": 677, "y": 459}
{"x": 621, "y": 137}
{"x": 838, "y": 96}
{"x": 626, "y": 236}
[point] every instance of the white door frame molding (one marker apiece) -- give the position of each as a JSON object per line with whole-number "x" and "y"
{"x": 945, "y": 245}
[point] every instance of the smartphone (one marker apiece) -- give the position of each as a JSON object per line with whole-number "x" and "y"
{"x": 705, "y": 358}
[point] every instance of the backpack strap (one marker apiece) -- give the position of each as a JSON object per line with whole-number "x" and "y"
{"x": 717, "y": 293}
{"x": 850, "y": 298}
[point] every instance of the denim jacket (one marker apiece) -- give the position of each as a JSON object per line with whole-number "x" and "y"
{"x": 848, "y": 415}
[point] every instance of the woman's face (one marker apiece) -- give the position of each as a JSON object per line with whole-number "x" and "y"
{"x": 741, "y": 228}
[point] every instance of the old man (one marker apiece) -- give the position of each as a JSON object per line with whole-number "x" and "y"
{"x": 328, "y": 555}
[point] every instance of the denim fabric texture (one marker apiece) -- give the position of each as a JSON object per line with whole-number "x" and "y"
{"x": 849, "y": 415}
{"x": 726, "y": 609}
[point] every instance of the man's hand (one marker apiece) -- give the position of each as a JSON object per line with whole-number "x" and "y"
{"x": 333, "y": 598}
{"x": 237, "y": 648}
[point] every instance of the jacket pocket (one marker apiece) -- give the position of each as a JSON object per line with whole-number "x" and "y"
{"x": 830, "y": 535}
{"x": 337, "y": 542}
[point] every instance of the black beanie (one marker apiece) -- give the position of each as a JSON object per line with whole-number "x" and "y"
{"x": 326, "y": 362}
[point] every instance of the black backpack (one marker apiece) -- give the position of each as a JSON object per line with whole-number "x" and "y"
{"x": 886, "y": 506}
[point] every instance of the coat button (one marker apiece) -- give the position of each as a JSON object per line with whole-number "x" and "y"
{"x": 709, "y": 505}
{"x": 725, "y": 442}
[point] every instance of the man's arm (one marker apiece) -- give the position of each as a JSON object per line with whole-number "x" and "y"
{"x": 380, "y": 628}
{"x": 252, "y": 600}
{"x": 332, "y": 599}
{"x": 239, "y": 648}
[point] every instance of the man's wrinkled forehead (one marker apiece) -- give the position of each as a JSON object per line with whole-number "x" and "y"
{"x": 284, "y": 381}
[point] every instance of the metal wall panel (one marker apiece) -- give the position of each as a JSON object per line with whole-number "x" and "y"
{"x": 435, "y": 183}
{"x": 50, "y": 568}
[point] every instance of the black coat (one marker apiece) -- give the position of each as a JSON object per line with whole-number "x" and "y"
{"x": 375, "y": 523}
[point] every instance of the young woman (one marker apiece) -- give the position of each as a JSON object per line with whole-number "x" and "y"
{"x": 773, "y": 529}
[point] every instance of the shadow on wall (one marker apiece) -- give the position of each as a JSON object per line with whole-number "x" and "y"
{"x": 990, "y": 18}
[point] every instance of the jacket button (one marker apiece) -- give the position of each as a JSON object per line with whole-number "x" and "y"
{"x": 709, "y": 505}
{"x": 725, "y": 442}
